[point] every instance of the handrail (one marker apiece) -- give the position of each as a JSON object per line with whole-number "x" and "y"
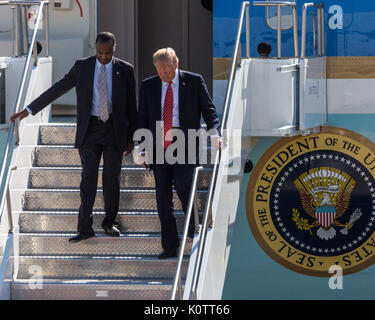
{"x": 245, "y": 8}
{"x": 320, "y": 25}
{"x": 207, "y": 219}
{"x": 280, "y": 4}
{"x": 14, "y": 125}
{"x": 25, "y": 29}
{"x": 177, "y": 285}
{"x": 322, "y": 29}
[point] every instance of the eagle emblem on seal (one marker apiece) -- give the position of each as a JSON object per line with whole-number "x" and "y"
{"x": 325, "y": 196}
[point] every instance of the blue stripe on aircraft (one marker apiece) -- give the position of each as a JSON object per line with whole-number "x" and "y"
{"x": 351, "y": 33}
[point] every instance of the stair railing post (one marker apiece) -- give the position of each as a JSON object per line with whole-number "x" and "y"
{"x": 5, "y": 171}
{"x": 177, "y": 284}
{"x": 9, "y": 209}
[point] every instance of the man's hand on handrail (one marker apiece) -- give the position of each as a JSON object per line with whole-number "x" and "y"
{"x": 19, "y": 115}
{"x": 217, "y": 142}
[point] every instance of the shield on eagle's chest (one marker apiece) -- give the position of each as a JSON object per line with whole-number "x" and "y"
{"x": 326, "y": 215}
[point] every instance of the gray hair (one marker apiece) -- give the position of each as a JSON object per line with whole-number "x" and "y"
{"x": 164, "y": 55}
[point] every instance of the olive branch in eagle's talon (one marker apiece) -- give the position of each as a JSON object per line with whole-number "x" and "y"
{"x": 302, "y": 224}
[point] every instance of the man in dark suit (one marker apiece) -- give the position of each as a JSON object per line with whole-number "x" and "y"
{"x": 106, "y": 117}
{"x": 178, "y": 98}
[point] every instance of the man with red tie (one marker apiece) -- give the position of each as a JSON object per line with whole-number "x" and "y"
{"x": 177, "y": 98}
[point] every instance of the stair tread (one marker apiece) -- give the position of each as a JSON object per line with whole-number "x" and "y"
{"x": 79, "y": 168}
{"x": 71, "y": 146}
{"x": 149, "y": 235}
{"x": 58, "y": 124}
{"x": 99, "y": 257}
{"x": 123, "y": 190}
{"x": 126, "y": 266}
{"x": 75, "y": 168}
{"x": 74, "y": 213}
{"x": 98, "y": 236}
{"x": 57, "y": 146}
{"x": 126, "y": 282}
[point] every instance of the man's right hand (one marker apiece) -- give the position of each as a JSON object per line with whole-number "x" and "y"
{"x": 140, "y": 158}
{"x": 19, "y": 115}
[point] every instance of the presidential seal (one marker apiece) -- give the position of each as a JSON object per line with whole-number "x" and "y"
{"x": 311, "y": 202}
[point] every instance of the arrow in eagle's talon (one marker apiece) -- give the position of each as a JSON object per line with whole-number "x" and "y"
{"x": 353, "y": 218}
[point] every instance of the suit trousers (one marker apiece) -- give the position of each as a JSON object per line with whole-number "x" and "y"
{"x": 99, "y": 140}
{"x": 167, "y": 175}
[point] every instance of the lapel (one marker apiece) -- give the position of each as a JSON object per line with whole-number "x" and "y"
{"x": 158, "y": 91}
{"x": 115, "y": 80}
{"x": 181, "y": 94}
{"x": 90, "y": 79}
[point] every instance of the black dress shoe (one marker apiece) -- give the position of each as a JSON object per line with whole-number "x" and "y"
{"x": 80, "y": 236}
{"x": 112, "y": 231}
{"x": 168, "y": 254}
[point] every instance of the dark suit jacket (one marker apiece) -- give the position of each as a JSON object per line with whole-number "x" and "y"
{"x": 194, "y": 101}
{"x": 81, "y": 76}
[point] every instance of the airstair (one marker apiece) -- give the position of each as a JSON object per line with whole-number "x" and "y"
{"x": 117, "y": 268}
{"x": 40, "y": 176}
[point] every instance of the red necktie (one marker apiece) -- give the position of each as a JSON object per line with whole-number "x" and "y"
{"x": 167, "y": 117}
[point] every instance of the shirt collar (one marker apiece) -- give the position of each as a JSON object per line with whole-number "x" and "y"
{"x": 174, "y": 81}
{"x": 108, "y": 65}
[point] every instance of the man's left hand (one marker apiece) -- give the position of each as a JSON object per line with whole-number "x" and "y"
{"x": 217, "y": 142}
{"x": 130, "y": 148}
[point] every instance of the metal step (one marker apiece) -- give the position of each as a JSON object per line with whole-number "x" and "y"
{"x": 64, "y": 178}
{"x": 55, "y": 222}
{"x": 67, "y": 156}
{"x": 102, "y": 267}
{"x": 92, "y": 290}
{"x": 99, "y": 267}
{"x": 31, "y": 244}
{"x": 57, "y": 134}
{"x": 60, "y": 134}
{"x": 69, "y": 200}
